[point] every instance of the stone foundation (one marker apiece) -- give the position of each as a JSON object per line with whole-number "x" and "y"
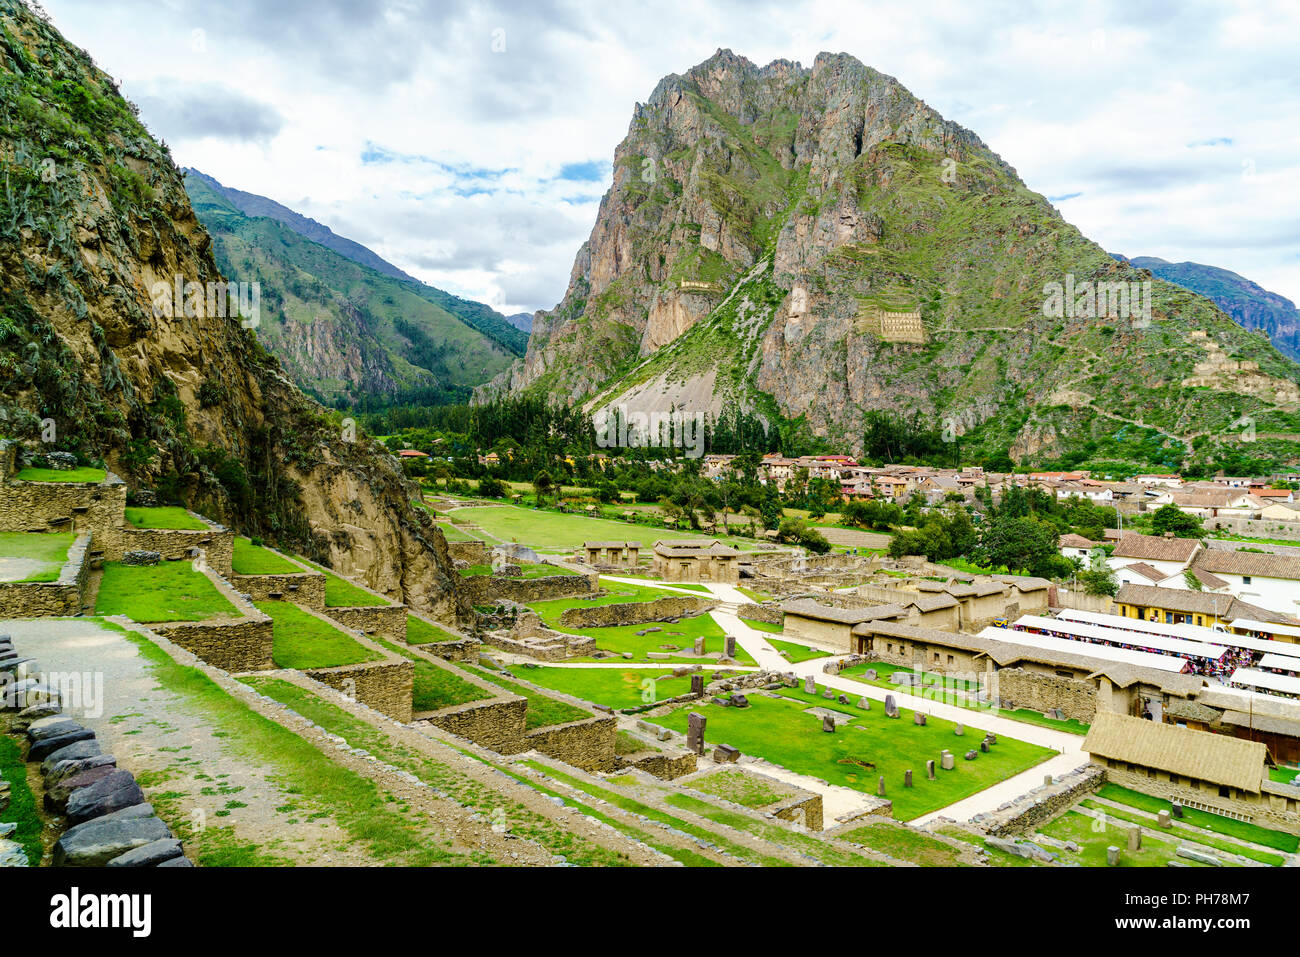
{"x": 636, "y": 613}
{"x": 471, "y": 553}
{"x": 1040, "y": 691}
{"x": 768, "y": 614}
{"x": 663, "y": 766}
{"x": 64, "y": 597}
{"x": 385, "y": 686}
{"x": 386, "y": 621}
{"x": 491, "y": 589}
{"x": 586, "y": 744}
{"x": 303, "y": 588}
{"x": 1042, "y": 804}
{"x": 497, "y": 724}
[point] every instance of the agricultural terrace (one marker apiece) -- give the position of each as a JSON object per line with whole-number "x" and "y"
{"x": 81, "y": 474}
{"x": 301, "y": 640}
{"x": 867, "y": 746}
{"x": 163, "y": 516}
{"x": 612, "y": 686}
{"x": 250, "y": 559}
{"x": 171, "y": 591}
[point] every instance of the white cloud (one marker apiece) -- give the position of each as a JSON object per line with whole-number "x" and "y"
{"x": 486, "y": 103}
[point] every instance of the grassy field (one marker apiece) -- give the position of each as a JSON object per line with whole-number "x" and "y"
{"x": 22, "y": 803}
{"x": 305, "y": 641}
{"x": 797, "y": 653}
{"x": 79, "y": 474}
{"x": 560, "y": 532}
{"x": 250, "y": 559}
{"x": 616, "y": 593}
{"x": 33, "y": 556}
{"x": 1073, "y": 826}
{"x": 779, "y": 730}
{"x": 1197, "y": 837}
{"x": 170, "y": 591}
{"x": 1241, "y": 830}
{"x": 1283, "y": 775}
{"x": 612, "y": 686}
{"x": 420, "y": 632}
{"x": 906, "y": 844}
{"x": 525, "y": 571}
{"x": 164, "y": 516}
{"x": 747, "y": 790}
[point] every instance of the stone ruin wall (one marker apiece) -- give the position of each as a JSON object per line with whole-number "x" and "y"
{"x": 1043, "y": 803}
{"x": 636, "y": 613}
{"x": 1040, "y": 691}
{"x": 64, "y": 597}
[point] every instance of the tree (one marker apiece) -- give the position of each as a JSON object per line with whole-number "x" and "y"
{"x": 491, "y": 487}
{"x": 1171, "y": 518}
{"x": 799, "y": 532}
{"x": 1099, "y": 579}
{"x": 1021, "y": 544}
{"x": 542, "y": 485}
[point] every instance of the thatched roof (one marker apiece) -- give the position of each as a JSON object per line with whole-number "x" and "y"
{"x": 1203, "y": 755}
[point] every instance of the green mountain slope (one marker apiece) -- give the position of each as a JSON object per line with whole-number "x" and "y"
{"x": 1253, "y": 306}
{"x": 341, "y": 329}
{"x": 481, "y": 317}
{"x": 763, "y": 222}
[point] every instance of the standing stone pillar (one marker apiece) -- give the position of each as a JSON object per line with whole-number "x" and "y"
{"x": 695, "y": 732}
{"x": 697, "y": 685}
{"x": 730, "y": 647}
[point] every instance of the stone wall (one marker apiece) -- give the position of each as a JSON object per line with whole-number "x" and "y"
{"x": 63, "y": 506}
{"x": 805, "y": 807}
{"x": 62, "y": 597}
{"x": 1082, "y": 601}
{"x": 385, "y": 686}
{"x": 1043, "y": 803}
{"x": 472, "y": 553}
{"x": 489, "y": 589}
{"x": 769, "y": 614}
{"x": 497, "y": 724}
{"x": 636, "y": 613}
{"x": 586, "y": 744}
{"x": 216, "y": 543}
{"x": 386, "y": 621}
{"x": 663, "y": 766}
{"x": 241, "y": 644}
{"x": 1255, "y": 527}
{"x": 1040, "y": 691}
{"x": 303, "y": 588}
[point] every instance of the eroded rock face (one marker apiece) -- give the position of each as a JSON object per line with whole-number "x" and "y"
{"x": 764, "y": 222}
{"x": 172, "y": 391}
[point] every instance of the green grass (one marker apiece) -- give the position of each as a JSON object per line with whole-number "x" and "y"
{"x": 796, "y": 652}
{"x": 22, "y": 803}
{"x": 557, "y": 531}
{"x": 79, "y": 474}
{"x": 387, "y": 831}
{"x": 779, "y": 730}
{"x": 164, "y": 516}
{"x": 1083, "y": 830}
{"x": 51, "y": 548}
{"x": 302, "y": 640}
{"x": 906, "y": 844}
{"x": 996, "y": 856}
{"x": 1242, "y": 830}
{"x": 612, "y": 686}
{"x": 169, "y": 591}
{"x": 1281, "y": 775}
{"x": 435, "y": 687}
{"x": 757, "y": 597}
{"x": 527, "y": 571}
{"x": 420, "y": 632}
{"x": 740, "y": 788}
{"x": 524, "y": 822}
{"x": 766, "y": 626}
{"x": 1191, "y": 837}
{"x": 543, "y": 710}
{"x": 250, "y": 559}
{"x": 615, "y": 593}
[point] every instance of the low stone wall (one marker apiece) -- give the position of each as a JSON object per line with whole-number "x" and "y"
{"x": 472, "y": 553}
{"x": 768, "y": 614}
{"x": 215, "y": 542}
{"x": 385, "y": 686}
{"x": 663, "y": 766}
{"x": 805, "y": 808}
{"x": 301, "y": 588}
{"x": 1043, "y": 803}
{"x": 1255, "y": 527}
{"x": 386, "y": 621}
{"x": 636, "y": 613}
{"x": 64, "y": 597}
{"x": 497, "y": 724}
{"x": 238, "y": 644}
{"x": 489, "y": 589}
{"x": 1082, "y": 601}
{"x": 586, "y": 744}
{"x": 63, "y": 506}
{"x": 462, "y": 649}
{"x": 1040, "y": 691}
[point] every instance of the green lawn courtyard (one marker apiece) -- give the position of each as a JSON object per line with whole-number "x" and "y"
{"x": 33, "y": 556}
{"x": 795, "y": 652}
{"x": 301, "y": 640}
{"x": 868, "y": 746}
{"x": 80, "y": 474}
{"x": 168, "y": 591}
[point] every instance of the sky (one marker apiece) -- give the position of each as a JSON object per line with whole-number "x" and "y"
{"x": 469, "y": 143}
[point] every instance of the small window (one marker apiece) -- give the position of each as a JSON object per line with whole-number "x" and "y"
{"x": 1245, "y": 579}
{"x": 936, "y": 657}
{"x": 950, "y": 659}
{"x": 1225, "y": 791}
{"x": 1200, "y": 619}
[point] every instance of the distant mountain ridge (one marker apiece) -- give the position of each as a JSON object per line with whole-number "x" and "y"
{"x": 1249, "y": 303}
{"x": 510, "y": 336}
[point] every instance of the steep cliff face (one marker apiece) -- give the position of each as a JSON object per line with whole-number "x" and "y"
{"x": 99, "y": 354}
{"x": 812, "y": 244}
